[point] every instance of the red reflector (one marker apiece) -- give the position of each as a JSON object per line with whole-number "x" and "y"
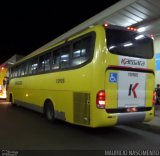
{"x": 100, "y": 100}
{"x": 135, "y": 29}
{"x": 132, "y": 28}
{"x": 132, "y": 109}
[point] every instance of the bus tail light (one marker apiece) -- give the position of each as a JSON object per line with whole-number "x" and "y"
{"x": 106, "y": 25}
{"x": 100, "y": 100}
{"x": 132, "y": 28}
{"x": 132, "y": 109}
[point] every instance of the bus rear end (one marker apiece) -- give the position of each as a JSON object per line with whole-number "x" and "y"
{"x": 129, "y": 78}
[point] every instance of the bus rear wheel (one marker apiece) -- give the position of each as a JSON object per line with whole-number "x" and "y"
{"x": 49, "y": 111}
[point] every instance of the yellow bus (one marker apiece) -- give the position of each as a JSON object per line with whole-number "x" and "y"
{"x": 3, "y": 76}
{"x": 102, "y": 76}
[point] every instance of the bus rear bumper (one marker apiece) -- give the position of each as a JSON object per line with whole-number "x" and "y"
{"x": 126, "y": 118}
{"x": 123, "y": 118}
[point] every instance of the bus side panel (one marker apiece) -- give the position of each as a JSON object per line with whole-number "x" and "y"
{"x": 64, "y": 89}
{"x": 99, "y": 117}
{"x": 149, "y": 96}
{"x": 77, "y": 105}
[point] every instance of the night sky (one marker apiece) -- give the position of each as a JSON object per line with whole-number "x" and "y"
{"x": 25, "y": 26}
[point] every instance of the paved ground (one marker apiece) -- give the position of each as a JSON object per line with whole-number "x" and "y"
{"x": 23, "y": 129}
{"x": 156, "y": 121}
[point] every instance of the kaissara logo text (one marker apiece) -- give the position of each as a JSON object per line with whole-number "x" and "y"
{"x": 126, "y": 61}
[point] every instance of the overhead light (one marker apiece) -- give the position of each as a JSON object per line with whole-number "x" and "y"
{"x": 91, "y": 26}
{"x": 128, "y": 44}
{"x": 111, "y": 47}
{"x": 10, "y": 62}
{"x": 139, "y": 37}
{"x": 142, "y": 29}
{"x": 152, "y": 36}
{"x": 2, "y": 68}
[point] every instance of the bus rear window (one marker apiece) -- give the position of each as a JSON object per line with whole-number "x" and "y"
{"x": 129, "y": 43}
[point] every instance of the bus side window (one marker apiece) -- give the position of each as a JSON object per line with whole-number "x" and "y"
{"x": 41, "y": 64}
{"x": 29, "y": 68}
{"x": 14, "y": 72}
{"x": 47, "y": 62}
{"x": 23, "y": 69}
{"x": 44, "y": 62}
{"x": 18, "y": 70}
{"x": 33, "y": 66}
{"x": 26, "y": 68}
{"x": 81, "y": 51}
{"x": 65, "y": 57}
{"x": 56, "y": 60}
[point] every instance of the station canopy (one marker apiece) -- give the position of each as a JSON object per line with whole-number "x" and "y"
{"x": 137, "y": 13}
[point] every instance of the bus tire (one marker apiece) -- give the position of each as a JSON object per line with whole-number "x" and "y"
{"x": 11, "y": 100}
{"x": 49, "y": 111}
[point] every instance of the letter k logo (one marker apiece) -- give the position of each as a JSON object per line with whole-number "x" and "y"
{"x": 132, "y": 89}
